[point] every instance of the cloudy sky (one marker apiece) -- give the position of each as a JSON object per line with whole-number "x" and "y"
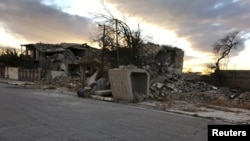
{"x": 192, "y": 25}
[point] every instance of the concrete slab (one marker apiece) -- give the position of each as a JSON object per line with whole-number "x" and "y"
{"x": 103, "y": 92}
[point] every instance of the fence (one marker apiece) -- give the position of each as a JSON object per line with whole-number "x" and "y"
{"x": 29, "y": 74}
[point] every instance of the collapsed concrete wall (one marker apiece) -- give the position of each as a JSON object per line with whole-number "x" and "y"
{"x": 172, "y": 58}
{"x": 167, "y": 57}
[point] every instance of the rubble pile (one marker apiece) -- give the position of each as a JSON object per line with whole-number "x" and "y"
{"x": 67, "y": 82}
{"x": 173, "y": 86}
{"x": 240, "y": 100}
{"x": 166, "y": 85}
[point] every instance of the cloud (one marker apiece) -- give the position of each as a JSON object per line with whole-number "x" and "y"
{"x": 35, "y": 22}
{"x": 201, "y": 22}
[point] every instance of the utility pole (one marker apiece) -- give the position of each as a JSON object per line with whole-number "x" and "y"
{"x": 103, "y": 46}
{"x": 117, "y": 52}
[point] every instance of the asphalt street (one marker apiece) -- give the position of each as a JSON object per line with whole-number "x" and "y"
{"x": 45, "y": 115}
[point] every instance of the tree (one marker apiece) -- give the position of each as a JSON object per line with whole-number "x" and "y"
{"x": 210, "y": 67}
{"x": 119, "y": 43}
{"x": 10, "y": 57}
{"x": 224, "y": 46}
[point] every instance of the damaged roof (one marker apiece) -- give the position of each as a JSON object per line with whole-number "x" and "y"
{"x": 151, "y": 49}
{"x": 42, "y": 47}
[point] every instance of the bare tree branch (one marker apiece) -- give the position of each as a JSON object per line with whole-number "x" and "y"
{"x": 224, "y": 46}
{"x": 118, "y": 36}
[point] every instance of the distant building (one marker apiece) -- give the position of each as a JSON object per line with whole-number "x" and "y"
{"x": 62, "y": 57}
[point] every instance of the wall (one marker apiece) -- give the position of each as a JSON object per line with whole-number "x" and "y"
{"x": 169, "y": 57}
{"x": 178, "y": 62}
{"x": 172, "y": 58}
{"x": 54, "y": 74}
{"x": 29, "y": 74}
{"x": 11, "y": 73}
{"x": 22, "y": 74}
{"x": 237, "y": 78}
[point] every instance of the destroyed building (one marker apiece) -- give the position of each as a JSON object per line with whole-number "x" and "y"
{"x": 162, "y": 59}
{"x": 60, "y": 59}
{"x": 62, "y": 62}
{"x": 132, "y": 84}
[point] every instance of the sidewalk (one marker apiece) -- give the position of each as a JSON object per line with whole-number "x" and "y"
{"x": 213, "y": 112}
{"x": 16, "y": 82}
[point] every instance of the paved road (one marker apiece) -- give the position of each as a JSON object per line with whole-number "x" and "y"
{"x": 38, "y": 115}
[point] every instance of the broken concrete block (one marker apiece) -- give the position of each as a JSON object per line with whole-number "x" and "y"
{"x": 108, "y": 99}
{"x": 102, "y": 98}
{"x": 103, "y": 92}
{"x": 138, "y": 97}
{"x": 97, "y": 97}
{"x": 153, "y": 89}
{"x": 84, "y": 92}
{"x": 160, "y": 79}
{"x": 214, "y": 88}
{"x": 159, "y": 85}
{"x": 170, "y": 86}
{"x": 126, "y": 82}
{"x": 92, "y": 79}
{"x": 101, "y": 84}
{"x": 163, "y": 94}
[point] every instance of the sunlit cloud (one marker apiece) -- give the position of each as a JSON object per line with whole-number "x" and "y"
{"x": 192, "y": 26}
{"x": 9, "y": 40}
{"x": 36, "y": 22}
{"x": 218, "y": 5}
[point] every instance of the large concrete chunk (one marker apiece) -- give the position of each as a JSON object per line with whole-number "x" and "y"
{"x": 128, "y": 84}
{"x": 103, "y": 92}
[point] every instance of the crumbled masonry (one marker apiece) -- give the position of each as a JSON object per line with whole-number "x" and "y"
{"x": 167, "y": 86}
